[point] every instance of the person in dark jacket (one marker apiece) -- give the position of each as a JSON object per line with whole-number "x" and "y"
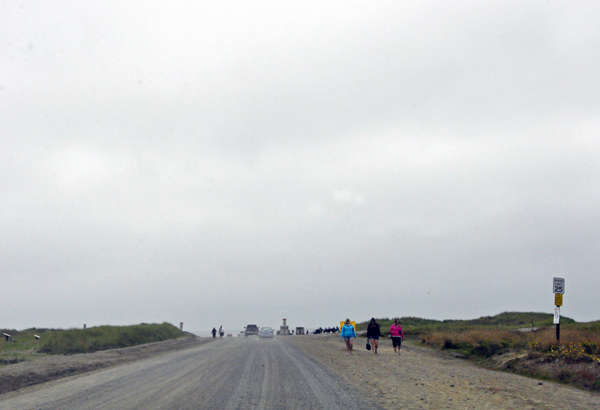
{"x": 214, "y": 332}
{"x": 373, "y": 334}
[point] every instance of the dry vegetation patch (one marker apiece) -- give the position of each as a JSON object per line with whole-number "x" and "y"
{"x": 575, "y": 360}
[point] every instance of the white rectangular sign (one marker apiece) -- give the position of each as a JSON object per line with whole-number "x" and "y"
{"x": 556, "y": 315}
{"x": 559, "y": 285}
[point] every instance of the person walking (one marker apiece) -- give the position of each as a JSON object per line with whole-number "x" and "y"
{"x": 348, "y": 334}
{"x": 221, "y": 331}
{"x": 397, "y": 336}
{"x": 373, "y": 334}
{"x": 214, "y": 332}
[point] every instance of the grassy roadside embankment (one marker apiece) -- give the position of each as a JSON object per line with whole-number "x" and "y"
{"x": 106, "y": 337}
{"x": 24, "y": 345}
{"x": 495, "y": 342}
{"x": 415, "y": 326}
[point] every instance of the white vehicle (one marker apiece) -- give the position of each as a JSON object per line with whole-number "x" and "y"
{"x": 266, "y": 333}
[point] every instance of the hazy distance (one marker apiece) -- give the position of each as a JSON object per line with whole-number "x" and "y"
{"x": 234, "y": 163}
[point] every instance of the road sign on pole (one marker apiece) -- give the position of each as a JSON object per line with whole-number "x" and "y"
{"x": 559, "y": 285}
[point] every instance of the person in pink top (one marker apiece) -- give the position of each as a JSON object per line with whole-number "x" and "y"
{"x": 397, "y": 336}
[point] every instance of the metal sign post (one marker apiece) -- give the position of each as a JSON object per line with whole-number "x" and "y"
{"x": 558, "y": 285}
{"x": 557, "y": 321}
{"x": 558, "y": 329}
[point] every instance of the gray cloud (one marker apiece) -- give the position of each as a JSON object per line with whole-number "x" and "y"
{"x": 228, "y": 164}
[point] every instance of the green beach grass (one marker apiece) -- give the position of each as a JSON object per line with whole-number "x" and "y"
{"x": 507, "y": 320}
{"x": 70, "y": 341}
{"x": 98, "y": 338}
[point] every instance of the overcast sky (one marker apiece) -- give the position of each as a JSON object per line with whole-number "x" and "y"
{"x": 226, "y": 163}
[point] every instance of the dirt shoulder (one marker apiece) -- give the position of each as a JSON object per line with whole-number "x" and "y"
{"x": 44, "y": 368}
{"x": 425, "y": 378}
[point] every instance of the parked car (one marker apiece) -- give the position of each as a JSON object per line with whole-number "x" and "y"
{"x": 266, "y": 333}
{"x": 251, "y": 330}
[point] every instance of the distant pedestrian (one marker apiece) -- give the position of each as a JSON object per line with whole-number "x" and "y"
{"x": 214, "y": 332}
{"x": 397, "y": 336}
{"x": 373, "y": 334}
{"x": 221, "y": 331}
{"x": 348, "y": 334}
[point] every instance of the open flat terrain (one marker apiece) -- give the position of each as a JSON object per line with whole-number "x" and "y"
{"x": 240, "y": 373}
{"x": 423, "y": 378}
{"x": 296, "y": 372}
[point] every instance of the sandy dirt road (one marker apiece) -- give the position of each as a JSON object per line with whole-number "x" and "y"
{"x": 305, "y": 372}
{"x": 423, "y": 378}
{"x": 244, "y": 373}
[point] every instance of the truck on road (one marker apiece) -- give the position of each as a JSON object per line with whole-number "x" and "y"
{"x": 251, "y": 330}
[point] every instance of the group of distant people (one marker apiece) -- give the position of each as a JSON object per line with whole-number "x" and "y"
{"x": 326, "y": 330}
{"x": 221, "y": 332}
{"x": 348, "y": 334}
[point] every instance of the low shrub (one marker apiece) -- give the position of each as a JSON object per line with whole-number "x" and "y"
{"x": 483, "y": 343}
{"x": 576, "y": 344}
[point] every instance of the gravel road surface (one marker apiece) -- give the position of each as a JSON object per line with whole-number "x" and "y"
{"x": 297, "y": 372}
{"x": 423, "y": 378}
{"x": 244, "y": 373}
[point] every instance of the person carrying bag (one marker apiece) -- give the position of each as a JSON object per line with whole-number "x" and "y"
{"x": 373, "y": 334}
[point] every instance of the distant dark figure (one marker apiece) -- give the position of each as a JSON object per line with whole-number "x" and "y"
{"x": 373, "y": 334}
{"x": 214, "y": 332}
{"x": 306, "y": 331}
{"x": 397, "y": 336}
{"x": 221, "y": 332}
